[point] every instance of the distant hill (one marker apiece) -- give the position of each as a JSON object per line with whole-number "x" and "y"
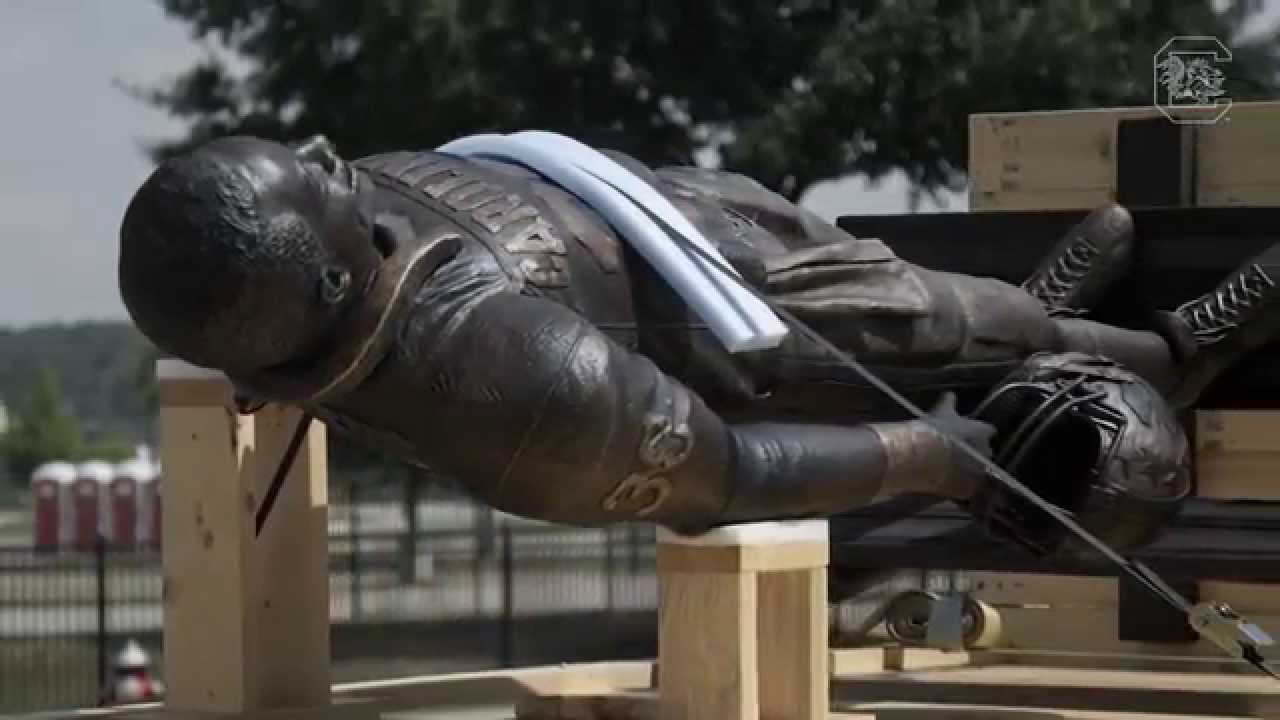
{"x": 97, "y": 364}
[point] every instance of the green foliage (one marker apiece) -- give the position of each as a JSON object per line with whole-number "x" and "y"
{"x": 98, "y": 366}
{"x": 112, "y": 447}
{"x": 42, "y": 429}
{"x": 789, "y": 91}
{"x": 143, "y": 378}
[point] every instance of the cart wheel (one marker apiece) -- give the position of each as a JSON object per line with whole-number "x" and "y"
{"x": 906, "y": 619}
{"x": 982, "y": 626}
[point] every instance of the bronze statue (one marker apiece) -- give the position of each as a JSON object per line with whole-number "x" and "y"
{"x": 470, "y": 317}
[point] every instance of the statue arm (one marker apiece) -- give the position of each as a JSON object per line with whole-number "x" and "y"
{"x": 605, "y": 436}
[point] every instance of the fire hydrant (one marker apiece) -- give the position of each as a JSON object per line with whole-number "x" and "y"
{"x": 131, "y": 680}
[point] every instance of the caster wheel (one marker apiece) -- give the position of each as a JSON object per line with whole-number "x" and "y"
{"x": 982, "y": 625}
{"x": 907, "y": 617}
{"x": 907, "y": 620}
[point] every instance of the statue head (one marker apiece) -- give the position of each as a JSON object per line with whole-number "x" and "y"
{"x": 242, "y": 254}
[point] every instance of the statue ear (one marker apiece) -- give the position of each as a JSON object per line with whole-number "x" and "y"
{"x": 335, "y": 284}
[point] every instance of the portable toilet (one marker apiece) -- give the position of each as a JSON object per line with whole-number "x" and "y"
{"x": 92, "y": 502}
{"x": 126, "y": 501}
{"x": 155, "y": 511}
{"x": 51, "y": 504}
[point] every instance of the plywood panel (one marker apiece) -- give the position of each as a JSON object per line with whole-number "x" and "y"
{"x": 1062, "y": 591}
{"x": 1096, "y": 630}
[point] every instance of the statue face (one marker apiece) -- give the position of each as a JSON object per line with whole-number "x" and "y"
{"x": 313, "y": 183}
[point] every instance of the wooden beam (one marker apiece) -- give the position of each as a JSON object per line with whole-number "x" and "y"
{"x": 246, "y": 618}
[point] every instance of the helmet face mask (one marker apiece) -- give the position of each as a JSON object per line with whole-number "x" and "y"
{"x": 1091, "y": 438}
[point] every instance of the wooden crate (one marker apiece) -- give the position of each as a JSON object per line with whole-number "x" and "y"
{"x": 1000, "y": 684}
{"x": 1067, "y": 160}
{"x": 1071, "y": 160}
{"x": 895, "y": 683}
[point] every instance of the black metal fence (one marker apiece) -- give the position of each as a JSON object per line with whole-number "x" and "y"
{"x": 475, "y": 595}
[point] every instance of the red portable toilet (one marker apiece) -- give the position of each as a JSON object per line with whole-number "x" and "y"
{"x": 126, "y": 496}
{"x": 50, "y": 484}
{"x": 92, "y": 504}
{"x": 67, "y": 509}
{"x": 152, "y": 514}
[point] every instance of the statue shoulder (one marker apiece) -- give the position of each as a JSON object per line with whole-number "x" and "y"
{"x": 498, "y": 208}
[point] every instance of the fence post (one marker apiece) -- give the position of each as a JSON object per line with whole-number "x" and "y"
{"x": 409, "y": 550}
{"x": 633, "y": 539}
{"x": 507, "y": 622}
{"x": 608, "y": 570}
{"x": 483, "y": 524}
{"x": 353, "y": 559}
{"x": 100, "y": 560}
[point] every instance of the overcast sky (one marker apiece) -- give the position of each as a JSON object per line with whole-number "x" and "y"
{"x": 69, "y": 148}
{"x": 70, "y": 157}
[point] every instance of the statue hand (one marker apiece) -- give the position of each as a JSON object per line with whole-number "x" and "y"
{"x": 967, "y": 474}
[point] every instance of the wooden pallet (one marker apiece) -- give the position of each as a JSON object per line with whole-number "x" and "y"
{"x": 894, "y": 683}
{"x": 1056, "y": 684}
{"x": 1068, "y": 159}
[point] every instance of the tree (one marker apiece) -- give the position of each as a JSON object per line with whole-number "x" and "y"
{"x": 42, "y": 430}
{"x": 789, "y": 91}
{"x": 142, "y": 376}
{"x": 111, "y": 447}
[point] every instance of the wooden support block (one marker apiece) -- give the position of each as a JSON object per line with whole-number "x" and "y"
{"x": 246, "y": 627}
{"x": 707, "y": 652}
{"x": 743, "y": 623}
{"x": 1066, "y": 160}
{"x": 894, "y": 658}
{"x": 792, "y": 630}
